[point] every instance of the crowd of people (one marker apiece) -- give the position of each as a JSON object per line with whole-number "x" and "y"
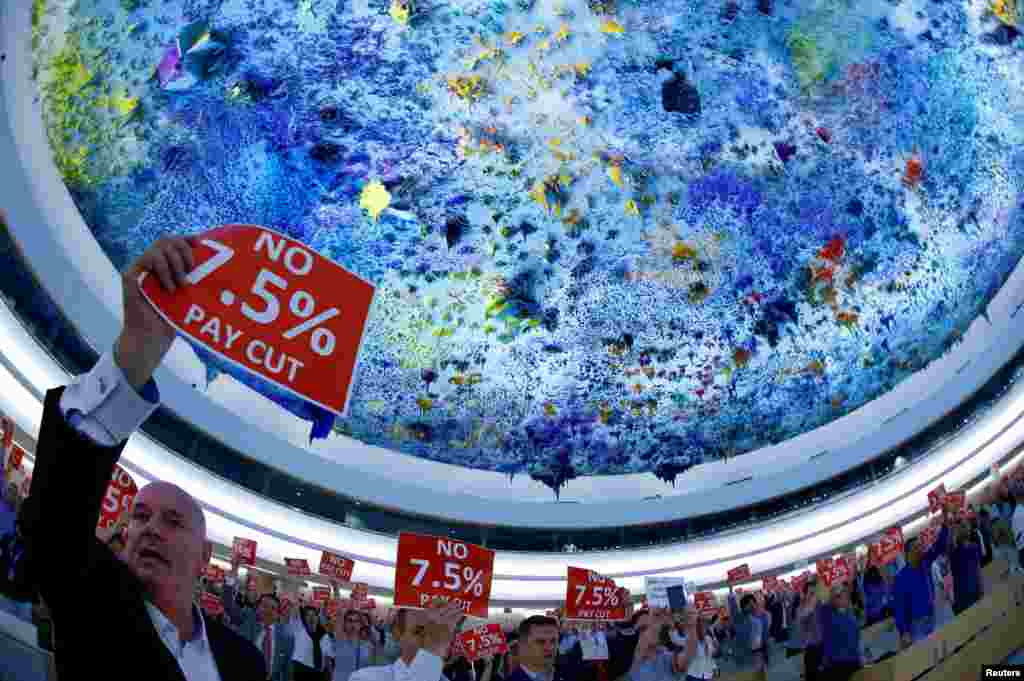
{"x": 139, "y": 586}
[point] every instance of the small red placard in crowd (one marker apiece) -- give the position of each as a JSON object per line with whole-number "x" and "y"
{"x": 935, "y": 498}
{"x": 841, "y": 571}
{"x": 887, "y": 549}
{"x": 213, "y": 574}
{"x": 360, "y": 590}
{"x": 335, "y": 566}
{"x": 484, "y": 641}
{"x": 956, "y": 501}
{"x": 274, "y": 307}
{"x": 120, "y": 495}
{"x": 770, "y": 583}
{"x": 211, "y": 604}
{"x": 7, "y": 427}
{"x": 591, "y": 596}
{"x": 704, "y": 602}
{"x": 738, "y": 574}
{"x": 286, "y": 604}
{"x": 799, "y": 581}
{"x": 430, "y": 567}
{"x": 244, "y": 550}
{"x": 298, "y": 567}
{"x": 331, "y": 607}
{"x": 320, "y": 594}
{"x": 824, "y": 568}
{"x": 15, "y": 458}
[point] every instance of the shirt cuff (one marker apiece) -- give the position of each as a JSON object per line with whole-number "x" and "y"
{"x": 103, "y": 406}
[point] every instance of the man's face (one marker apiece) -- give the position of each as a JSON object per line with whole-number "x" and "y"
{"x": 267, "y": 611}
{"x": 310, "y": 617}
{"x": 352, "y": 624}
{"x": 540, "y": 647}
{"x": 165, "y": 542}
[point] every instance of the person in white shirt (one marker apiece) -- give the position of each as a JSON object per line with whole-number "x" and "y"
{"x": 347, "y": 652}
{"x": 423, "y": 639}
{"x": 1017, "y": 523}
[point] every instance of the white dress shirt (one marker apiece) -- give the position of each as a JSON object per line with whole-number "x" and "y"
{"x": 303, "y": 643}
{"x": 273, "y": 639}
{"x": 1017, "y": 526}
{"x": 104, "y": 407}
{"x": 194, "y": 657}
{"x": 425, "y": 667}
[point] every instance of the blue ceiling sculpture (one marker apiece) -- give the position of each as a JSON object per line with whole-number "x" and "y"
{"x": 607, "y": 237}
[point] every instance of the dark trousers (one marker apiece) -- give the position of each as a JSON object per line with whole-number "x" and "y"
{"x": 301, "y": 672}
{"x": 812, "y": 661}
{"x": 841, "y": 671}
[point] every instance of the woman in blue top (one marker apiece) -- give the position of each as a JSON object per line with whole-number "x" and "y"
{"x": 840, "y": 636}
{"x": 876, "y": 596}
{"x": 965, "y": 564}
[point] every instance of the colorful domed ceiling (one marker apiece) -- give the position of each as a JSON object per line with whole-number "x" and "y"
{"x": 607, "y": 237}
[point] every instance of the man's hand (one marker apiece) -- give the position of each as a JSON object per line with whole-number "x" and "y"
{"x": 146, "y": 337}
{"x": 439, "y": 622}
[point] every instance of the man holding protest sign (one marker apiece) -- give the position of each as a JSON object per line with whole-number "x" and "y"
{"x": 261, "y": 626}
{"x": 145, "y": 599}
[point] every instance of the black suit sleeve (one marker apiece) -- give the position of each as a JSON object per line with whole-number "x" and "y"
{"x": 60, "y": 514}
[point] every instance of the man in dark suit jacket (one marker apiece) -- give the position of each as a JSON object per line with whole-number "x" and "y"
{"x": 130, "y": 616}
{"x": 253, "y": 624}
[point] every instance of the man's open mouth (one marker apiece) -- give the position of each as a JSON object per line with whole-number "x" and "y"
{"x": 151, "y": 554}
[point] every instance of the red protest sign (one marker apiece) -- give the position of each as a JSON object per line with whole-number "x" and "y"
{"x": 704, "y": 602}
{"x": 738, "y": 574}
{"x": 935, "y": 498}
{"x": 120, "y": 495}
{"x": 841, "y": 571}
{"x": 591, "y": 596}
{"x": 360, "y": 590}
{"x": 888, "y": 548}
{"x": 321, "y": 594}
{"x": 213, "y": 574}
{"x": 824, "y": 568}
{"x": 484, "y": 641}
{"x": 298, "y": 567}
{"x": 211, "y": 604}
{"x": 333, "y": 565}
{"x": 274, "y": 307}
{"x": 7, "y": 427}
{"x": 286, "y": 604}
{"x": 429, "y": 567}
{"x": 244, "y": 550}
{"x": 770, "y": 583}
{"x": 799, "y": 582}
{"x": 331, "y": 607}
{"x": 956, "y": 501}
{"x": 17, "y": 455}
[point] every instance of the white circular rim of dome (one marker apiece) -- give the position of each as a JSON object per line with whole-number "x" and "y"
{"x": 88, "y": 293}
{"x": 539, "y": 578}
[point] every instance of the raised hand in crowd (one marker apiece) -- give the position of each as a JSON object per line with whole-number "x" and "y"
{"x": 438, "y": 624}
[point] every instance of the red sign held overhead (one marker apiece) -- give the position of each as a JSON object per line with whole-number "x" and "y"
{"x": 935, "y": 498}
{"x": 360, "y": 590}
{"x": 275, "y": 307}
{"x": 244, "y": 550}
{"x": 704, "y": 602}
{"x": 120, "y": 495}
{"x": 590, "y": 596}
{"x": 841, "y": 571}
{"x": 888, "y": 548}
{"x": 770, "y": 583}
{"x": 800, "y": 581}
{"x": 738, "y": 574}
{"x": 824, "y": 567}
{"x": 211, "y": 604}
{"x": 333, "y": 565}
{"x": 298, "y": 567}
{"x": 321, "y": 594}
{"x": 956, "y": 501}
{"x": 436, "y": 567}
{"x": 213, "y": 574}
{"x": 484, "y": 641}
